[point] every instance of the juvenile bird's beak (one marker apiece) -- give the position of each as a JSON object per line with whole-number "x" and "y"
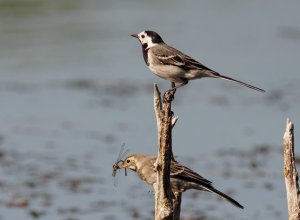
{"x": 122, "y": 165}
{"x": 134, "y": 35}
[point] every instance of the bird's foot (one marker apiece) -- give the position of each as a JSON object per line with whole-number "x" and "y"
{"x": 169, "y": 95}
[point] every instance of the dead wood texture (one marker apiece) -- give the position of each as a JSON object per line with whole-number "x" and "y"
{"x": 164, "y": 198}
{"x": 290, "y": 173}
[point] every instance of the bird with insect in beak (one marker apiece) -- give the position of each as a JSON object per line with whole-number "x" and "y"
{"x": 181, "y": 177}
{"x": 173, "y": 65}
{"x": 116, "y": 166}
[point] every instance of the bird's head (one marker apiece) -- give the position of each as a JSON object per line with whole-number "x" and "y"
{"x": 130, "y": 162}
{"x": 148, "y": 38}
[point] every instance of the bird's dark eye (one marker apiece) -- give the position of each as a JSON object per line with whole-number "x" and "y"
{"x": 143, "y": 36}
{"x": 127, "y": 161}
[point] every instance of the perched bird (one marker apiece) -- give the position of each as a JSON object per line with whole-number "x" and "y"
{"x": 181, "y": 177}
{"x": 173, "y": 65}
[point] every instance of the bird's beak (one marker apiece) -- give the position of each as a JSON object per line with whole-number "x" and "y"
{"x": 122, "y": 165}
{"x": 134, "y": 35}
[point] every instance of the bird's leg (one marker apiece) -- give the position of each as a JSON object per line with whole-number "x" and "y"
{"x": 174, "y": 87}
{"x": 184, "y": 82}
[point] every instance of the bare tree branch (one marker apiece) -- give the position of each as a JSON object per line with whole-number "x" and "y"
{"x": 177, "y": 205}
{"x": 157, "y": 107}
{"x": 290, "y": 172}
{"x": 164, "y": 197}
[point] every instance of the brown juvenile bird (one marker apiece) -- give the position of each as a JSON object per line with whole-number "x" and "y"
{"x": 181, "y": 177}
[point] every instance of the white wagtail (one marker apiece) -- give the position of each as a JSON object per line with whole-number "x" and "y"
{"x": 173, "y": 65}
{"x": 181, "y": 177}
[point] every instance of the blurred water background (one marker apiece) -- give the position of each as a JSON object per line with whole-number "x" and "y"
{"x": 74, "y": 87}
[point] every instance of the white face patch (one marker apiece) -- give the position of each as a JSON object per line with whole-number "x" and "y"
{"x": 145, "y": 39}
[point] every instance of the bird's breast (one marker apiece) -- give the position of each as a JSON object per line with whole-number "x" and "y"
{"x": 168, "y": 72}
{"x": 147, "y": 174}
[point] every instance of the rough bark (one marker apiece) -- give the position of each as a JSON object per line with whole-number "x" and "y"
{"x": 165, "y": 122}
{"x": 290, "y": 173}
{"x": 177, "y": 205}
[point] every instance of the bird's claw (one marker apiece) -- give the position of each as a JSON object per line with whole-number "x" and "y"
{"x": 169, "y": 95}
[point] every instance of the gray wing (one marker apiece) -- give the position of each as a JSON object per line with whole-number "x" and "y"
{"x": 181, "y": 172}
{"x": 170, "y": 56}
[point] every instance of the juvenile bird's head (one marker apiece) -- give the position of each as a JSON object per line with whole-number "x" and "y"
{"x": 130, "y": 162}
{"x": 148, "y": 39}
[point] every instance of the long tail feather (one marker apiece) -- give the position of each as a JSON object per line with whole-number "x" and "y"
{"x": 210, "y": 188}
{"x": 241, "y": 83}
